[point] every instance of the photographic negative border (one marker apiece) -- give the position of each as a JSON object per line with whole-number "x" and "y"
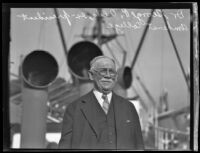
{"x": 194, "y": 58}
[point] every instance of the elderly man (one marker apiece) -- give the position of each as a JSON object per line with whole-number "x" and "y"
{"x": 101, "y": 119}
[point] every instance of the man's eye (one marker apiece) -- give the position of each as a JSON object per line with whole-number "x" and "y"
{"x": 102, "y": 72}
{"x": 112, "y": 72}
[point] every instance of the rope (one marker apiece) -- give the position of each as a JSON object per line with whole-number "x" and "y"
{"x": 41, "y": 35}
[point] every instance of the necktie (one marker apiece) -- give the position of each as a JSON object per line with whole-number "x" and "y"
{"x": 105, "y": 103}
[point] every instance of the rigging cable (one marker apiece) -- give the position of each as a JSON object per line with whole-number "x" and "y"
{"x": 142, "y": 39}
{"x": 41, "y": 35}
{"x": 176, "y": 51}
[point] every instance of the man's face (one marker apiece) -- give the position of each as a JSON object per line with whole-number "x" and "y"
{"x": 104, "y": 75}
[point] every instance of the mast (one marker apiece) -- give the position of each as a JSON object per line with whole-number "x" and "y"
{"x": 99, "y": 27}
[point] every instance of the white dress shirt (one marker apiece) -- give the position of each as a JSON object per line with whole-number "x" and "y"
{"x": 98, "y": 95}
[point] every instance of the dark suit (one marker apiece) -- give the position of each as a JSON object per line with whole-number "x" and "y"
{"x": 81, "y": 129}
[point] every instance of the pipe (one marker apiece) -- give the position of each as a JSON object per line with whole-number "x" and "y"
{"x": 39, "y": 69}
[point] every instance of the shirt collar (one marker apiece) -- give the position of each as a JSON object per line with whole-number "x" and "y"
{"x": 98, "y": 95}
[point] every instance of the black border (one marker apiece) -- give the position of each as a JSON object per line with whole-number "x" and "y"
{"x": 5, "y": 79}
{"x": 6, "y": 7}
{"x": 191, "y": 83}
{"x": 147, "y": 5}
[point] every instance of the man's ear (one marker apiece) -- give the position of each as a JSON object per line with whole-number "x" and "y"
{"x": 116, "y": 78}
{"x": 90, "y": 75}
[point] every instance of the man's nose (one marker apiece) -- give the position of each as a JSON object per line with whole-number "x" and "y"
{"x": 108, "y": 74}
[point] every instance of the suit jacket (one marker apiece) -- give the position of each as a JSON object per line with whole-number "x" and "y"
{"x": 80, "y": 128}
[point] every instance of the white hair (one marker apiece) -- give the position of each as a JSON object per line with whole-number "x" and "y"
{"x": 94, "y": 60}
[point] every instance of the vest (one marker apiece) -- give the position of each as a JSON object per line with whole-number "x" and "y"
{"x": 107, "y": 139}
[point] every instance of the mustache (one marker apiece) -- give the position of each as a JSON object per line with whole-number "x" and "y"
{"x": 109, "y": 77}
{"x": 108, "y": 80}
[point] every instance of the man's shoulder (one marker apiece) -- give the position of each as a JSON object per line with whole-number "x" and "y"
{"x": 120, "y": 98}
{"x": 124, "y": 101}
{"x": 79, "y": 100}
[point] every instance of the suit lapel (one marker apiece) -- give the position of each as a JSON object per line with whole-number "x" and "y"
{"x": 88, "y": 103}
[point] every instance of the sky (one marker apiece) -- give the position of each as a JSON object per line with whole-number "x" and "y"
{"x": 156, "y": 65}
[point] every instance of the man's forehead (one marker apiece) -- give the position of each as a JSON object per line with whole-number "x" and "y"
{"x": 104, "y": 63}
